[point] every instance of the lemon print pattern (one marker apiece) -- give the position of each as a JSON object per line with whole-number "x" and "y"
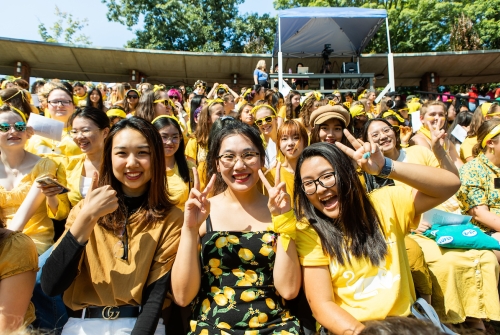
{"x": 237, "y": 295}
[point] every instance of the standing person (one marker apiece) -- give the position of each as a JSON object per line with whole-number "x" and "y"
{"x": 79, "y": 94}
{"x": 131, "y": 101}
{"x": 89, "y": 129}
{"x": 248, "y": 266}
{"x": 291, "y": 110}
{"x": 265, "y": 120}
{"x": 179, "y": 170}
{"x": 95, "y": 100}
{"x": 60, "y": 107}
{"x": 260, "y": 76}
{"x": 113, "y": 262}
{"x": 354, "y": 261}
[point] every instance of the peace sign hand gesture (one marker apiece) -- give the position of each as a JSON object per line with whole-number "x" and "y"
{"x": 437, "y": 135}
{"x": 279, "y": 201}
{"x": 197, "y": 206}
{"x": 367, "y": 155}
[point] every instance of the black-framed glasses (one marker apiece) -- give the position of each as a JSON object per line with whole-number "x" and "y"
{"x": 132, "y": 97}
{"x": 326, "y": 180}
{"x": 248, "y": 158}
{"x": 267, "y": 119}
{"x": 56, "y": 103}
{"x": 18, "y": 126}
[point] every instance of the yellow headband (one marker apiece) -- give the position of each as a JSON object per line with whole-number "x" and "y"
{"x": 317, "y": 95}
{"x": 136, "y": 91}
{"x": 21, "y": 114}
{"x": 166, "y": 116}
{"x": 214, "y": 101}
{"x": 256, "y": 108}
{"x": 393, "y": 113}
{"x": 163, "y": 100}
{"x": 246, "y": 92}
{"x": 116, "y": 112}
{"x": 158, "y": 88}
{"x": 221, "y": 86}
{"x": 362, "y": 95}
{"x": 357, "y": 110}
{"x": 494, "y": 132}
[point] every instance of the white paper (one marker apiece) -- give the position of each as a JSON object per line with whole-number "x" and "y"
{"x": 416, "y": 124}
{"x": 436, "y": 216}
{"x": 285, "y": 89}
{"x": 46, "y": 127}
{"x": 460, "y": 133}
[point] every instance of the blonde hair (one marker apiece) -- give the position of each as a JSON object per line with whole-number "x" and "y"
{"x": 261, "y": 64}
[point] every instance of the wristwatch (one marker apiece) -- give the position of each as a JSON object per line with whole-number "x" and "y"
{"x": 386, "y": 169}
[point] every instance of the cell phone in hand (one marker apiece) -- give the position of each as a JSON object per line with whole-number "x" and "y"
{"x": 47, "y": 181}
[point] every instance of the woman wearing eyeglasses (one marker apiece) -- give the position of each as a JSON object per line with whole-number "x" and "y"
{"x": 179, "y": 170}
{"x": 354, "y": 261}
{"x": 94, "y": 99}
{"x": 197, "y": 146}
{"x": 131, "y": 101}
{"x": 248, "y": 261}
{"x": 60, "y": 107}
{"x": 113, "y": 262}
{"x": 265, "y": 120}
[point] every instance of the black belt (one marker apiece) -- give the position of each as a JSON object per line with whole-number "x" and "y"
{"x": 106, "y": 312}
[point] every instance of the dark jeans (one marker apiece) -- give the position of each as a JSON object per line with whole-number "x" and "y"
{"x": 50, "y": 311}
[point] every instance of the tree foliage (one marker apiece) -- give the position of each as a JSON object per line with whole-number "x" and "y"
{"x": 65, "y": 30}
{"x": 424, "y": 25}
{"x": 193, "y": 25}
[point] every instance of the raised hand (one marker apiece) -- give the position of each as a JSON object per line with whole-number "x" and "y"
{"x": 100, "y": 201}
{"x": 437, "y": 135}
{"x": 405, "y": 134}
{"x": 197, "y": 206}
{"x": 367, "y": 155}
{"x": 279, "y": 201}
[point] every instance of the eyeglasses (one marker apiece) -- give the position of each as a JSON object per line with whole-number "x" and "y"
{"x": 265, "y": 120}
{"x": 85, "y": 132}
{"x": 385, "y": 131}
{"x": 174, "y": 139}
{"x": 173, "y": 97}
{"x": 248, "y": 158}
{"x": 57, "y": 103}
{"x": 326, "y": 180}
{"x": 18, "y": 126}
{"x": 132, "y": 97}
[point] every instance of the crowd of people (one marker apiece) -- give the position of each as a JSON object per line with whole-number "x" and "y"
{"x": 203, "y": 210}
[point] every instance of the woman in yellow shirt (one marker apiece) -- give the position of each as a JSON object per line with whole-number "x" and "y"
{"x": 310, "y": 104}
{"x": 179, "y": 170}
{"x": 60, "y": 107}
{"x": 354, "y": 259}
{"x": 471, "y": 140}
{"x": 291, "y": 109}
{"x": 90, "y": 127}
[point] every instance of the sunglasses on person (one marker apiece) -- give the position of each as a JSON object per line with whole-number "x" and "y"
{"x": 132, "y": 96}
{"x": 173, "y": 97}
{"x": 18, "y": 126}
{"x": 166, "y": 102}
{"x": 264, "y": 120}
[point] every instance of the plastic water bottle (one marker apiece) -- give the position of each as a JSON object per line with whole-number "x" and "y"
{"x": 289, "y": 70}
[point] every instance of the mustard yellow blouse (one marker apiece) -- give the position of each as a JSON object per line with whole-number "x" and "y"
{"x": 42, "y": 145}
{"x": 178, "y": 190}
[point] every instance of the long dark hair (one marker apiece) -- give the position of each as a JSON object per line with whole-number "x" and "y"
{"x": 100, "y": 119}
{"x": 100, "y": 103}
{"x": 357, "y": 230}
{"x": 195, "y": 103}
{"x": 291, "y": 113}
{"x": 222, "y": 128}
{"x": 157, "y": 205}
{"x": 370, "y": 121}
{"x": 180, "y": 159}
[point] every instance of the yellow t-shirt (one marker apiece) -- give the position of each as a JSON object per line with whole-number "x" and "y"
{"x": 178, "y": 190}
{"x": 466, "y": 148}
{"x": 282, "y": 113}
{"x": 17, "y": 255}
{"x": 365, "y": 291}
{"x": 198, "y": 154}
{"x": 40, "y": 227}
{"x": 80, "y": 101}
{"x": 42, "y": 145}
{"x": 74, "y": 169}
{"x": 285, "y": 176}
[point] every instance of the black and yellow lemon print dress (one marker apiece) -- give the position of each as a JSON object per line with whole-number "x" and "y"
{"x": 237, "y": 294}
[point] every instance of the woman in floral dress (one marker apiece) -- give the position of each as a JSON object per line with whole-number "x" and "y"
{"x": 249, "y": 262}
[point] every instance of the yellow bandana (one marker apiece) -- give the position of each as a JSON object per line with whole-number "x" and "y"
{"x": 357, "y": 110}
{"x": 391, "y": 112}
{"x": 426, "y": 132}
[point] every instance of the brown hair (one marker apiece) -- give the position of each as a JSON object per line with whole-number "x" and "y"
{"x": 482, "y": 132}
{"x": 157, "y": 205}
{"x": 204, "y": 124}
{"x": 145, "y": 107}
{"x": 305, "y": 111}
{"x": 476, "y": 122}
{"x": 430, "y": 103}
{"x": 292, "y": 127}
{"x": 291, "y": 114}
{"x": 18, "y": 98}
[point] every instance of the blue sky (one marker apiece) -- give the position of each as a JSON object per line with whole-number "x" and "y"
{"x": 101, "y": 32}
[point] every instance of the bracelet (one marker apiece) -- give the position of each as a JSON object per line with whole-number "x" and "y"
{"x": 387, "y": 169}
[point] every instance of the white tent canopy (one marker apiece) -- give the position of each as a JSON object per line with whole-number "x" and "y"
{"x": 304, "y": 31}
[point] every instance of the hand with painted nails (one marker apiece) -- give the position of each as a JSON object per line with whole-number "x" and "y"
{"x": 367, "y": 155}
{"x": 197, "y": 206}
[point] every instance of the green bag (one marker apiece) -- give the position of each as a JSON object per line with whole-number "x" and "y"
{"x": 464, "y": 236}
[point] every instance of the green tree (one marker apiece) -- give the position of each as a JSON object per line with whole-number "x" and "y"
{"x": 421, "y": 25}
{"x": 65, "y": 28}
{"x": 193, "y": 25}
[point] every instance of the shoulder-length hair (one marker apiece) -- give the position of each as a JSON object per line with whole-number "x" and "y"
{"x": 100, "y": 103}
{"x": 179, "y": 157}
{"x": 225, "y": 127}
{"x": 357, "y": 231}
{"x": 291, "y": 113}
{"x": 157, "y": 205}
{"x": 18, "y": 98}
{"x": 290, "y": 128}
{"x": 145, "y": 108}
